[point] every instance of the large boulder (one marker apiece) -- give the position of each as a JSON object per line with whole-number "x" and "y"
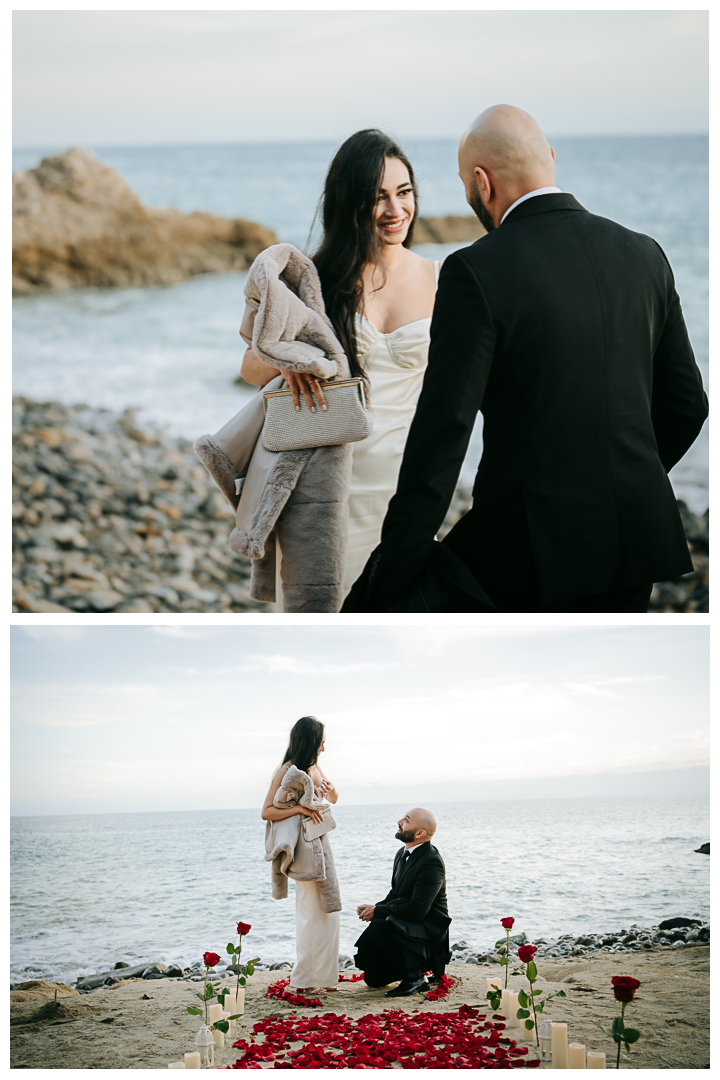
{"x": 453, "y": 229}
{"x": 92, "y": 982}
{"x": 76, "y": 222}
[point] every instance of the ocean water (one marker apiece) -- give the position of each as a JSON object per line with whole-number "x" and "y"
{"x": 174, "y": 351}
{"x": 87, "y": 891}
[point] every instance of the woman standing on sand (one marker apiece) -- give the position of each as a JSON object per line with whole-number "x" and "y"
{"x": 379, "y": 296}
{"x": 297, "y": 790}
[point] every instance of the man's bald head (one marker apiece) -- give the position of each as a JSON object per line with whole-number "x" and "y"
{"x": 503, "y": 155}
{"x": 416, "y": 826}
{"x": 423, "y": 819}
{"x": 508, "y": 141}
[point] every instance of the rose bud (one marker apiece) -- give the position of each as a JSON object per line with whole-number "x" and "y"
{"x": 526, "y": 953}
{"x": 507, "y": 923}
{"x": 624, "y": 987}
{"x": 243, "y": 928}
{"x": 210, "y": 959}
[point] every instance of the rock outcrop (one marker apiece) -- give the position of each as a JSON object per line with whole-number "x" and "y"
{"x": 454, "y": 229}
{"x": 76, "y": 222}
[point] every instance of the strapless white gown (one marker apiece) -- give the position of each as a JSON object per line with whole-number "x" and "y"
{"x": 395, "y": 364}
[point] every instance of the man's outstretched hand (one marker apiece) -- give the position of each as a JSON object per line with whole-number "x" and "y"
{"x": 366, "y": 912}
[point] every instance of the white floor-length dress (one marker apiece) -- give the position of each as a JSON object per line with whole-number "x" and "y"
{"x": 317, "y": 939}
{"x": 395, "y": 364}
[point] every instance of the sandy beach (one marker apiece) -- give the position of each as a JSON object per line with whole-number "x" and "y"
{"x": 143, "y": 1025}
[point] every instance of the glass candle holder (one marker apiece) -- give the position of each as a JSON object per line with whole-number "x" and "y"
{"x": 545, "y": 1034}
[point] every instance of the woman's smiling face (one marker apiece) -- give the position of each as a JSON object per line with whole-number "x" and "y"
{"x": 395, "y": 203}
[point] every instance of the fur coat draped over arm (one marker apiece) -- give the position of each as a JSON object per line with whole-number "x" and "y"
{"x": 298, "y": 496}
{"x": 290, "y": 854}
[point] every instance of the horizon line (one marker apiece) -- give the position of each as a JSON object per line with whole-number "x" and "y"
{"x": 331, "y": 141}
{"x": 440, "y": 802}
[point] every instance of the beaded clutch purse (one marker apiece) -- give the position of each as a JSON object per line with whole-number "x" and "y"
{"x": 347, "y": 419}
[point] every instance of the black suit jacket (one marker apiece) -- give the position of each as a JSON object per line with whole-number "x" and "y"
{"x": 565, "y": 329}
{"x": 418, "y": 892}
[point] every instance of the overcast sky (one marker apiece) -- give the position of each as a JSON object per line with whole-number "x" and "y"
{"x": 104, "y": 78}
{"x": 130, "y": 718}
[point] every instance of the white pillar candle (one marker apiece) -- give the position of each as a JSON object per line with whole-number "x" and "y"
{"x": 530, "y": 1035}
{"x": 493, "y": 984}
{"x": 513, "y": 1006}
{"x": 219, "y": 1037}
{"x": 240, "y": 1002}
{"x": 559, "y": 1046}
{"x": 192, "y": 1060}
{"x": 176, "y": 1065}
{"x": 576, "y": 1056}
{"x": 230, "y": 1004}
{"x": 595, "y": 1059}
{"x": 505, "y": 1004}
{"x": 215, "y": 1013}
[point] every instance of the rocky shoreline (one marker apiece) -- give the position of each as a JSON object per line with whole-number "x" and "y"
{"x": 672, "y": 934}
{"x": 109, "y": 515}
{"x": 675, "y": 933}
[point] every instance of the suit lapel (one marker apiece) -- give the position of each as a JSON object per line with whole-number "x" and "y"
{"x": 415, "y": 858}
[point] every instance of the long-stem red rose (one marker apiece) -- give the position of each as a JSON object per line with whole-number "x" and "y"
{"x": 243, "y": 928}
{"x": 526, "y": 953}
{"x": 210, "y": 959}
{"x": 507, "y": 925}
{"x": 624, "y": 987}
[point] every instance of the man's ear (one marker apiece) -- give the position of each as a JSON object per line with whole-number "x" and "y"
{"x": 484, "y": 184}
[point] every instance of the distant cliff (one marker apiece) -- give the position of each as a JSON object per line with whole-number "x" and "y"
{"x": 76, "y": 222}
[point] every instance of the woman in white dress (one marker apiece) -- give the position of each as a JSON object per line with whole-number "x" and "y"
{"x": 379, "y": 296}
{"x": 317, "y": 933}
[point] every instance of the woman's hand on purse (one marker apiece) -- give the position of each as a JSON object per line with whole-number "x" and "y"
{"x": 307, "y": 385}
{"x": 314, "y": 815}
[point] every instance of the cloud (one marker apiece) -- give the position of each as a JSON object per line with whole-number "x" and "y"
{"x": 293, "y": 665}
{"x": 81, "y": 706}
{"x": 52, "y": 634}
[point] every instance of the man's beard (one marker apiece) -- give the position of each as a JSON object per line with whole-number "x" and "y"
{"x": 405, "y": 836}
{"x": 481, "y": 212}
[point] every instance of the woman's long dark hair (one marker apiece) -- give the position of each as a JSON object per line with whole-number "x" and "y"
{"x": 305, "y": 741}
{"x": 350, "y": 238}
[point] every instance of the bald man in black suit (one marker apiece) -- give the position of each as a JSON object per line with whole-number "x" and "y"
{"x": 408, "y": 930}
{"x": 566, "y": 331}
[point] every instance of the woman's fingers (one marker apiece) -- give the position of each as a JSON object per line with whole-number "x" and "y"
{"x": 292, "y": 382}
{"x": 320, "y": 396}
{"x": 307, "y": 385}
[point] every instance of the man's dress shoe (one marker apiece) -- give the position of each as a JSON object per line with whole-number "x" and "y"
{"x": 408, "y": 987}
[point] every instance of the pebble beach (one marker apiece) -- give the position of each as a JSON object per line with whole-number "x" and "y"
{"x": 109, "y": 515}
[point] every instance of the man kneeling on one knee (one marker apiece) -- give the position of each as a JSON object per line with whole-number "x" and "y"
{"x": 408, "y": 931}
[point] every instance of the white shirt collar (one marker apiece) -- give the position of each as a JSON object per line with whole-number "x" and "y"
{"x": 409, "y": 850}
{"x": 530, "y": 195}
